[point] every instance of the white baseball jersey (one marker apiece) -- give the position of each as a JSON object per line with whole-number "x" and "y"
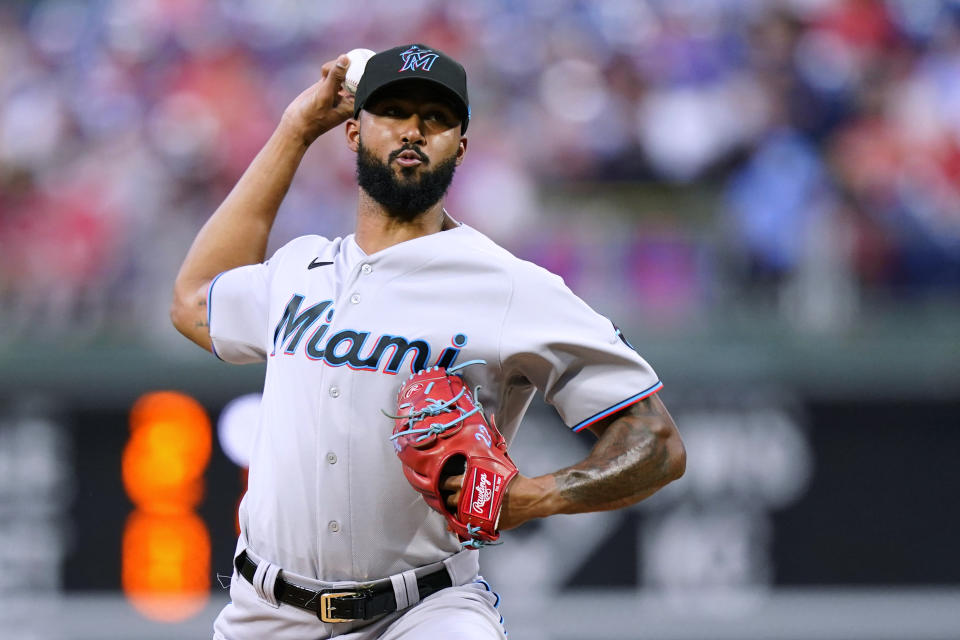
{"x": 340, "y": 331}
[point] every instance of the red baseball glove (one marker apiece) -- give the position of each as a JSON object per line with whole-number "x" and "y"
{"x": 440, "y": 431}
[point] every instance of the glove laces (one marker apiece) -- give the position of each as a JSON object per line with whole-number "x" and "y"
{"x": 474, "y": 542}
{"x": 435, "y": 407}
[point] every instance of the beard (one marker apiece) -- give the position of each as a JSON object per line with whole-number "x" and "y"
{"x": 404, "y": 197}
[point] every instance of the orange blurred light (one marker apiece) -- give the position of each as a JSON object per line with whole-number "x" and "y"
{"x": 166, "y": 546}
{"x": 166, "y": 564}
{"x": 168, "y": 451}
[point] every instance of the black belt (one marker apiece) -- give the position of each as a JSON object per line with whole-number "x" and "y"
{"x": 345, "y": 605}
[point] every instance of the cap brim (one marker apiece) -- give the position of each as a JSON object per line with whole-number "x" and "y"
{"x": 461, "y": 107}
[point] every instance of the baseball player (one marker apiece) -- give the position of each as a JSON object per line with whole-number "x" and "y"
{"x": 334, "y": 541}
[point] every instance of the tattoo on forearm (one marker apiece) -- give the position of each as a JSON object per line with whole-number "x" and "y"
{"x": 628, "y": 460}
{"x": 203, "y": 322}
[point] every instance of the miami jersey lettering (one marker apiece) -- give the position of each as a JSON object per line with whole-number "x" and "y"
{"x": 348, "y": 347}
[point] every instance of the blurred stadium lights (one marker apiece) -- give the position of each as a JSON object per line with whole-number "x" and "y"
{"x": 166, "y": 545}
{"x": 166, "y": 564}
{"x": 237, "y": 426}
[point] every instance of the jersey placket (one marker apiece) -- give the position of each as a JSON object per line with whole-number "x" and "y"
{"x": 335, "y": 532}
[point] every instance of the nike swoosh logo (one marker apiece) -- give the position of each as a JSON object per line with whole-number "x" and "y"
{"x": 314, "y": 263}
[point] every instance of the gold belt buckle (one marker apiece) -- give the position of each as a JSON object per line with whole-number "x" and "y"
{"x": 326, "y": 605}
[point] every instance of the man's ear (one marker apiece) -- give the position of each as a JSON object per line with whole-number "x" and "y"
{"x": 353, "y": 134}
{"x": 461, "y": 150}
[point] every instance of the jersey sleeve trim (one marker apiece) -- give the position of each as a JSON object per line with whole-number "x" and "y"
{"x": 617, "y": 407}
{"x": 213, "y": 348}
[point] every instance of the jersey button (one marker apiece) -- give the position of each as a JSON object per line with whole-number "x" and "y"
{"x": 334, "y": 526}
{"x": 332, "y": 457}
{"x": 355, "y": 298}
{"x": 366, "y": 268}
{"x": 334, "y": 392}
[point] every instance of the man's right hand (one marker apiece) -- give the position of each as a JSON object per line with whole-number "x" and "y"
{"x": 322, "y": 106}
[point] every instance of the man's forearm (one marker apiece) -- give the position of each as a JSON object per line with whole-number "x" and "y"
{"x": 637, "y": 453}
{"x": 633, "y": 458}
{"x": 236, "y": 234}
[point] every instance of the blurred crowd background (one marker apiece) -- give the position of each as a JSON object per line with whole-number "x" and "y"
{"x": 764, "y": 195}
{"x": 675, "y": 158}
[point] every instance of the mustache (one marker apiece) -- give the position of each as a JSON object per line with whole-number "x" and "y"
{"x": 408, "y": 147}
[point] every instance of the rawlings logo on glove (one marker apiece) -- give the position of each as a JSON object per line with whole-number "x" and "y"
{"x": 440, "y": 431}
{"x": 483, "y": 493}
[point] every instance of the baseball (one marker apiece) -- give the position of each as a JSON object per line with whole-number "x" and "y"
{"x": 358, "y": 61}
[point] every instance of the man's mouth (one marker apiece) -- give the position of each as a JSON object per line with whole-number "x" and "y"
{"x": 409, "y": 158}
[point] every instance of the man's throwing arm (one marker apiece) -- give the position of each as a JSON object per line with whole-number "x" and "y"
{"x": 236, "y": 234}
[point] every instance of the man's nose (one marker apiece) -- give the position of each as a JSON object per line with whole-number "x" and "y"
{"x": 412, "y": 130}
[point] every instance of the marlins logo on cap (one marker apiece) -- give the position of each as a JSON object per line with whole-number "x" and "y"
{"x": 417, "y": 62}
{"x": 417, "y": 58}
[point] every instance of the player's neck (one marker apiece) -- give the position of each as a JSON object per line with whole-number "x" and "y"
{"x": 376, "y": 229}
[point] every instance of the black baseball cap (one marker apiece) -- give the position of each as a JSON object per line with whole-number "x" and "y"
{"x": 414, "y": 62}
